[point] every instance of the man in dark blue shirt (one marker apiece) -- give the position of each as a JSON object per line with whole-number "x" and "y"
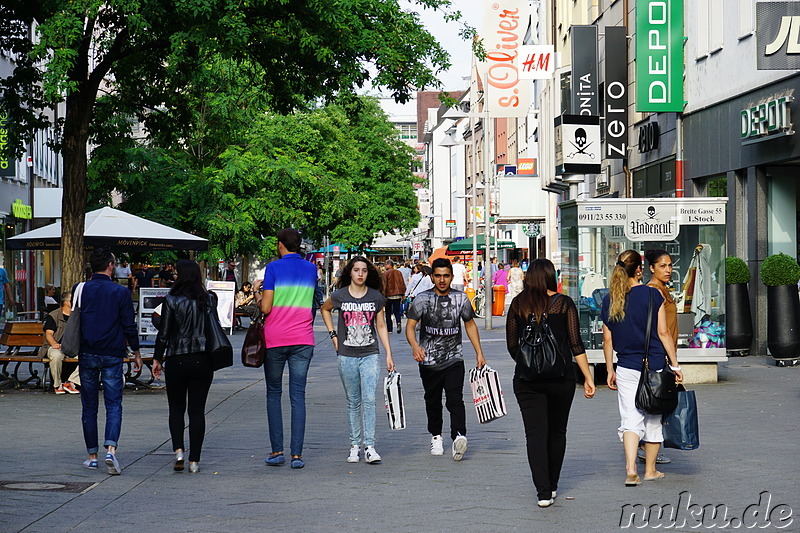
{"x": 106, "y": 322}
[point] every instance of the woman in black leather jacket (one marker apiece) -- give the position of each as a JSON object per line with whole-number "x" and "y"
{"x": 181, "y": 345}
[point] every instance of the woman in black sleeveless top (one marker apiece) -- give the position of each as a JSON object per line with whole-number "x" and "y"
{"x": 545, "y": 403}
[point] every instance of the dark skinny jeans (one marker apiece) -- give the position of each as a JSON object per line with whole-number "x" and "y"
{"x": 188, "y": 375}
{"x": 545, "y": 409}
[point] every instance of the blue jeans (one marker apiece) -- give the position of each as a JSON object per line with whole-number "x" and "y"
{"x": 360, "y": 379}
{"x": 299, "y": 358}
{"x": 92, "y": 368}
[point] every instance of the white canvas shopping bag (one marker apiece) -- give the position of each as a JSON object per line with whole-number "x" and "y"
{"x": 393, "y": 396}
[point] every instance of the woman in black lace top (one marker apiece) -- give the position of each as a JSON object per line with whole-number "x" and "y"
{"x": 545, "y": 404}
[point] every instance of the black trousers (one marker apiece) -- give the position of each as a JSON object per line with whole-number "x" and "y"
{"x": 393, "y": 307}
{"x": 449, "y": 380}
{"x": 545, "y": 409}
{"x": 189, "y": 376}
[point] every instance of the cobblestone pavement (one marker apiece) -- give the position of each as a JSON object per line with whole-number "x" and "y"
{"x": 748, "y": 421}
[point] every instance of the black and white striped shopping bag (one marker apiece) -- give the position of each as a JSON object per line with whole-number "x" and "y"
{"x": 487, "y": 394}
{"x": 393, "y": 396}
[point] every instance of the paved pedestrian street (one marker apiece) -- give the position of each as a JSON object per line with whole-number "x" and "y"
{"x": 748, "y": 434}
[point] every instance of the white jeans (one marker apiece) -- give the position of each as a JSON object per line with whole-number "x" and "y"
{"x": 648, "y": 427}
{"x": 56, "y": 362}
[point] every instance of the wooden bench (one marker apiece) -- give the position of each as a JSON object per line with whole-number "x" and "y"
{"x": 23, "y": 340}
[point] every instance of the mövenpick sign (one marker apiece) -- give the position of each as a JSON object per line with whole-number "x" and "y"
{"x": 659, "y": 55}
{"x": 504, "y": 25}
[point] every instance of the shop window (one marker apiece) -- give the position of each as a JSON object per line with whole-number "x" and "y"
{"x": 717, "y": 187}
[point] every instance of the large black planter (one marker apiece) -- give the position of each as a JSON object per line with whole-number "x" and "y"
{"x": 739, "y": 321}
{"x": 783, "y": 331}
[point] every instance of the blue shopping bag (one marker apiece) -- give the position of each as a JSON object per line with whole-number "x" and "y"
{"x": 680, "y": 426}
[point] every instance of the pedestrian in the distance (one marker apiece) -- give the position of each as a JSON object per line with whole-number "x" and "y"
{"x": 188, "y": 369}
{"x": 624, "y": 313}
{"x": 394, "y": 288}
{"x": 107, "y": 322}
{"x": 440, "y": 312}
{"x": 361, "y": 323}
{"x": 545, "y": 403}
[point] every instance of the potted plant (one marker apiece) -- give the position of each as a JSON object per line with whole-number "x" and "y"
{"x": 780, "y": 273}
{"x": 739, "y": 321}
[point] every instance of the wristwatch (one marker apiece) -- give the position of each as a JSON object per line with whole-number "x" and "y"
{"x": 332, "y": 334}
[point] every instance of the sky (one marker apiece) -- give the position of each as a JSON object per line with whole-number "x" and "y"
{"x": 447, "y": 35}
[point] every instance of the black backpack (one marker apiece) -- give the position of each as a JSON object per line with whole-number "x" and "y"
{"x": 540, "y": 355}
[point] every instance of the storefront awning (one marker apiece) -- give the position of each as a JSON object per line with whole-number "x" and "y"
{"x": 465, "y": 245}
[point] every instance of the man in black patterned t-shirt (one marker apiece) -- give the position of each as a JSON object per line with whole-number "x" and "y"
{"x": 440, "y": 312}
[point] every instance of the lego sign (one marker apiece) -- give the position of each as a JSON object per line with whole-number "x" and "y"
{"x": 526, "y": 166}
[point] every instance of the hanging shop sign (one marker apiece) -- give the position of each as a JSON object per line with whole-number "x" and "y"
{"x": 8, "y": 166}
{"x": 616, "y": 88}
{"x": 659, "y": 55}
{"x": 505, "y": 23}
{"x": 578, "y": 149}
{"x": 532, "y": 229}
{"x": 20, "y": 210}
{"x": 767, "y": 120}
{"x": 450, "y": 223}
{"x": 536, "y": 62}
{"x": 649, "y": 136}
{"x": 585, "y": 98}
{"x": 526, "y": 166}
{"x": 778, "y": 35}
{"x": 650, "y": 219}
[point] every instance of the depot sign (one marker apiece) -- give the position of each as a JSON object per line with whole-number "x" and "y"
{"x": 659, "y": 55}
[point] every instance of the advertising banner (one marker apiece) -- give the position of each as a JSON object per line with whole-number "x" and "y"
{"x": 585, "y": 98}
{"x": 778, "y": 35}
{"x": 504, "y": 26}
{"x": 149, "y": 300}
{"x": 659, "y": 56}
{"x": 225, "y": 291}
{"x": 8, "y": 166}
{"x": 616, "y": 87}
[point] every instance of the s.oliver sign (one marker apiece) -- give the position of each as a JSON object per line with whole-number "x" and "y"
{"x": 659, "y": 55}
{"x": 504, "y": 26}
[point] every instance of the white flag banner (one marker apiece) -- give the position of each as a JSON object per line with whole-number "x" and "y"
{"x": 504, "y": 26}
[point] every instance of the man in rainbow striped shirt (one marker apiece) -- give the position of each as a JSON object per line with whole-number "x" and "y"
{"x": 288, "y": 291}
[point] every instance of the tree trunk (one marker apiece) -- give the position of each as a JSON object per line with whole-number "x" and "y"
{"x": 73, "y": 204}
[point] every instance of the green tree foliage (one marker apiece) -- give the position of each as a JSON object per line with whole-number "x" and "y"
{"x": 339, "y": 169}
{"x": 145, "y": 56}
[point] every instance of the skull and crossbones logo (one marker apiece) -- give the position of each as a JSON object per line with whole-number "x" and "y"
{"x": 580, "y": 144}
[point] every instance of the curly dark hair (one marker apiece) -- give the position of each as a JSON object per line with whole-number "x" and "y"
{"x": 374, "y": 278}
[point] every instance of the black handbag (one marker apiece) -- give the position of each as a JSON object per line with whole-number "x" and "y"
{"x": 71, "y": 338}
{"x": 254, "y": 345}
{"x": 657, "y": 392}
{"x": 217, "y": 344}
{"x": 540, "y": 355}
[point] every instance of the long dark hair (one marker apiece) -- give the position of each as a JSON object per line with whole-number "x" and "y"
{"x": 540, "y": 277}
{"x": 374, "y": 278}
{"x": 189, "y": 282}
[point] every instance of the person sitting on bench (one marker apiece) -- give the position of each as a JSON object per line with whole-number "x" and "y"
{"x": 54, "y": 324}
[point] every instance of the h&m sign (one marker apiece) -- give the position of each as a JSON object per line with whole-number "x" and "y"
{"x": 766, "y": 118}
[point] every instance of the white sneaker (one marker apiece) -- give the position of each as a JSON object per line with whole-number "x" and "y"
{"x": 553, "y": 495}
{"x": 545, "y": 503}
{"x": 353, "y": 457}
{"x": 437, "y": 447}
{"x": 459, "y": 447}
{"x": 371, "y": 456}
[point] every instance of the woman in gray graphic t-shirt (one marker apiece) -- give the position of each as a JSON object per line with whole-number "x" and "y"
{"x": 361, "y": 324}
